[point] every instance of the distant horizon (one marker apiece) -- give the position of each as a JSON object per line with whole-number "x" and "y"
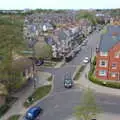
{"x": 59, "y": 4}
{"x": 61, "y": 9}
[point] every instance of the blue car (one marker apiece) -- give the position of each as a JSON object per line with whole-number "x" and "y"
{"x": 33, "y": 113}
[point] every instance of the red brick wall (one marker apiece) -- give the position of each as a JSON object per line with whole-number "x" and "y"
{"x": 111, "y": 59}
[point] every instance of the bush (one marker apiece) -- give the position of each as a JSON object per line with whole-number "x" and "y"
{"x": 4, "y": 109}
{"x": 14, "y": 117}
{"x": 100, "y": 82}
{"x": 37, "y": 95}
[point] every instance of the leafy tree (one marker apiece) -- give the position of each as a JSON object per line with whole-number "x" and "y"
{"x": 43, "y": 51}
{"x": 11, "y": 42}
{"x": 88, "y": 108}
{"x": 87, "y": 15}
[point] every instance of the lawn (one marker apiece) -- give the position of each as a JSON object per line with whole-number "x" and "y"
{"x": 14, "y": 117}
{"x": 37, "y": 95}
{"x": 78, "y": 73}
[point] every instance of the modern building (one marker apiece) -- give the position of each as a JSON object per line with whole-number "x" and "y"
{"x": 108, "y": 55}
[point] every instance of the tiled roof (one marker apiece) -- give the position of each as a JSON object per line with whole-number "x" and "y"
{"x": 109, "y": 40}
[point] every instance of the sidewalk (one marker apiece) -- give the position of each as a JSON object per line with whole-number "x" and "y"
{"x": 17, "y": 107}
{"x": 85, "y": 83}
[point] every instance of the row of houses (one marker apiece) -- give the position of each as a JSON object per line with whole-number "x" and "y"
{"x": 61, "y": 30}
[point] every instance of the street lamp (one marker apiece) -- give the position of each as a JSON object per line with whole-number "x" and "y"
{"x": 31, "y": 45}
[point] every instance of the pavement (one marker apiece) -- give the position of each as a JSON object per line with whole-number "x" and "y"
{"x": 17, "y": 107}
{"x": 84, "y": 82}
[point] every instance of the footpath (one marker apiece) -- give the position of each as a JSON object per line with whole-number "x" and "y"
{"x": 84, "y": 82}
{"x": 17, "y": 107}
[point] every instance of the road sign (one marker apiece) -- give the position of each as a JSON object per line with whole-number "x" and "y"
{"x": 27, "y": 52}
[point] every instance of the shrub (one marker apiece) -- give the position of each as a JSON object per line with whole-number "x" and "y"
{"x": 4, "y": 109}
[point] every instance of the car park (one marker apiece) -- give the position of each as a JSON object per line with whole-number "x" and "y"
{"x": 33, "y": 113}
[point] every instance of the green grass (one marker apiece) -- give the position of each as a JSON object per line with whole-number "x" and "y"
{"x": 50, "y": 78}
{"x": 37, "y": 95}
{"x": 14, "y": 117}
{"x": 77, "y": 75}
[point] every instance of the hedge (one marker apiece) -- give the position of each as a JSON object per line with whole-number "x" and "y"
{"x": 92, "y": 78}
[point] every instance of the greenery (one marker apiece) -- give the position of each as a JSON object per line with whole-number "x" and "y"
{"x": 4, "y": 109}
{"x": 50, "y": 78}
{"x": 43, "y": 50}
{"x": 93, "y": 79}
{"x": 11, "y": 43}
{"x": 88, "y": 109}
{"x": 14, "y": 117}
{"x": 37, "y": 95}
{"x": 78, "y": 73}
{"x": 87, "y": 15}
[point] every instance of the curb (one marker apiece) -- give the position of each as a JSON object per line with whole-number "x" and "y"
{"x": 52, "y": 84}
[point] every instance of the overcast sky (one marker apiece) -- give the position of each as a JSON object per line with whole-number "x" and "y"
{"x": 59, "y": 4}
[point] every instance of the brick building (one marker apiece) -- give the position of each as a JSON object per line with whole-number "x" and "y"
{"x": 108, "y": 55}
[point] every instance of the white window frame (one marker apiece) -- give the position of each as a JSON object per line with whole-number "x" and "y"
{"x": 114, "y": 67}
{"x": 103, "y": 53}
{"x": 102, "y": 73}
{"x": 106, "y": 63}
{"x": 117, "y": 55}
{"x": 113, "y": 74}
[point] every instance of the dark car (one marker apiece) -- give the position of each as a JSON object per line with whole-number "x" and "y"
{"x": 39, "y": 62}
{"x": 68, "y": 82}
{"x": 33, "y": 113}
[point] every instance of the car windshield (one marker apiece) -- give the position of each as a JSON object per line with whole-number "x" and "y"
{"x": 29, "y": 116}
{"x": 68, "y": 81}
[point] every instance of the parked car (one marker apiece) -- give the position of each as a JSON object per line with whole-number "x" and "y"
{"x": 33, "y": 113}
{"x": 84, "y": 43}
{"x": 86, "y": 60}
{"x": 70, "y": 56}
{"x": 77, "y": 49}
{"x": 39, "y": 62}
{"x": 68, "y": 82}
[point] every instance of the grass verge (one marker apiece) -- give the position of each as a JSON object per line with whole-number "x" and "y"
{"x": 14, "y": 117}
{"x": 37, "y": 95}
{"x": 50, "y": 78}
{"x": 78, "y": 73}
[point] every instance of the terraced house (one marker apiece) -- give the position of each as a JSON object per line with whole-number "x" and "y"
{"x": 108, "y": 55}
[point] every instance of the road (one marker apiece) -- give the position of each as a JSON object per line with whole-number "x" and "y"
{"x": 60, "y": 104}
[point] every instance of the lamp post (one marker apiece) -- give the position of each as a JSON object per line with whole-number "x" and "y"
{"x": 34, "y": 69}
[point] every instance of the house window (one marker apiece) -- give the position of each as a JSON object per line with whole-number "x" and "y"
{"x": 114, "y": 65}
{"x": 113, "y": 74}
{"x": 103, "y": 53}
{"x": 103, "y": 63}
{"x": 117, "y": 54}
{"x": 102, "y": 73}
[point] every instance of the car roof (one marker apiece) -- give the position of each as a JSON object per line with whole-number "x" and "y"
{"x": 31, "y": 110}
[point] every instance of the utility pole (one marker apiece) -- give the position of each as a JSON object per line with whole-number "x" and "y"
{"x": 34, "y": 69}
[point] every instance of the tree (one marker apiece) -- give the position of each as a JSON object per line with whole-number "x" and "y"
{"x": 11, "y": 42}
{"x": 43, "y": 50}
{"x": 87, "y": 15}
{"x": 88, "y": 108}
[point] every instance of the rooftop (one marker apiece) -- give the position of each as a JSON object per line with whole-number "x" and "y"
{"x": 111, "y": 38}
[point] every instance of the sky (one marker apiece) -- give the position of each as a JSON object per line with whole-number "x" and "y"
{"x": 59, "y": 4}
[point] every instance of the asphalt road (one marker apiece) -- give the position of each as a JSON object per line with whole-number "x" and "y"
{"x": 61, "y": 103}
